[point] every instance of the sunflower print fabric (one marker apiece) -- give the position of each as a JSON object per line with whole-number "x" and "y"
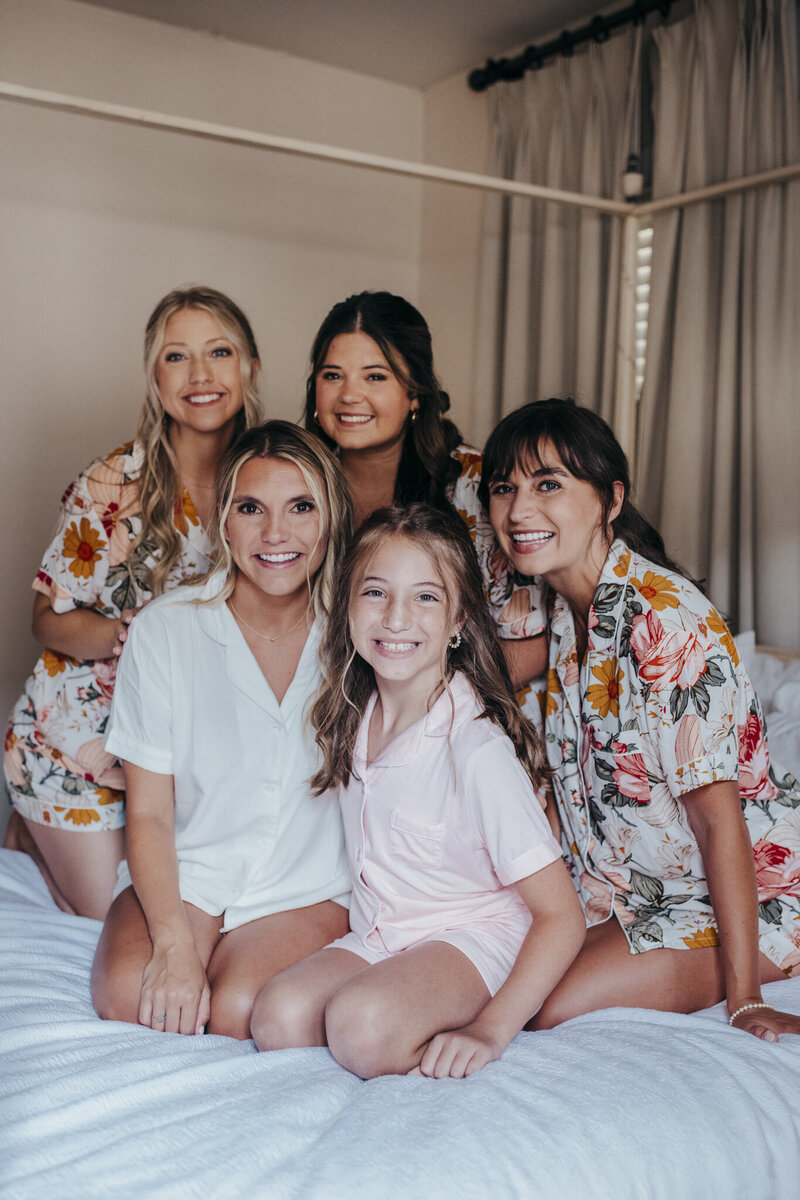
{"x": 660, "y": 706}
{"x": 57, "y": 771}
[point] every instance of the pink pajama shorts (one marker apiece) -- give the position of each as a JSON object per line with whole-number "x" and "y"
{"x": 491, "y": 946}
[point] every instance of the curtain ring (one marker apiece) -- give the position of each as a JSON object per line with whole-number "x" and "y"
{"x": 600, "y": 30}
{"x": 532, "y": 57}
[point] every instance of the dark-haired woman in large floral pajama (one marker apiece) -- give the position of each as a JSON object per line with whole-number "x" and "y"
{"x": 676, "y": 824}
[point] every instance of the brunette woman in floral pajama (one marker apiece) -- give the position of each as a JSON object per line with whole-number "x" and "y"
{"x": 676, "y": 823}
{"x": 130, "y": 527}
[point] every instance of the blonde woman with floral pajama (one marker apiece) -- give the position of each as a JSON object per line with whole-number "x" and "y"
{"x": 684, "y": 839}
{"x": 131, "y": 526}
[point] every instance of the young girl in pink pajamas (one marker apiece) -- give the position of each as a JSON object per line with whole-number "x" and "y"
{"x": 463, "y": 917}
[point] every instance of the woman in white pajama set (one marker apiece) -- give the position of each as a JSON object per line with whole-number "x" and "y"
{"x": 233, "y": 871}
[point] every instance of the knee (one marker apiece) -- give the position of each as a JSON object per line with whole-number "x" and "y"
{"x": 231, "y": 1010}
{"x": 556, "y": 1009}
{"x": 284, "y": 1017}
{"x": 360, "y": 1035}
{"x": 115, "y": 993}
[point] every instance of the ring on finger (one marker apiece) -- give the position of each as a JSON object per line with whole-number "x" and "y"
{"x": 160, "y": 1020}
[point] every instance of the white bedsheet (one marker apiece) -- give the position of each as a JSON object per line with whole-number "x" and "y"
{"x": 777, "y": 683}
{"x": 617, "y": 1105}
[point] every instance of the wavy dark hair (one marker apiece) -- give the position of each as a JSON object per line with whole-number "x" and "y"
{"x": 400, "y": 330}
{"x": 348, "y": 681}
{"x": 588, "y": 449}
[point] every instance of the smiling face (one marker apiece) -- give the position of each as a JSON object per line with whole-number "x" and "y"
{"x": 550, "y": 523}
{"x": 400, "y": 618}
{"x": 361, "y": 404}
{"x": 198, "y": 373}
{"x": 275, "y": 529}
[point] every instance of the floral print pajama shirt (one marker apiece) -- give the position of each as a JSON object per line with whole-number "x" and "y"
{"x": 57, "y": 771}
{"x": 660, "y": 706}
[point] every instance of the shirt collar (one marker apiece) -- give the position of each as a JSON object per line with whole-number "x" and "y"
{"x": 457, "y": 703}
{"x": 214, "y": 619}
{"x": 218, "y": 622}
{"x": 616, "y": 566}
{"x": 615, "y": 571}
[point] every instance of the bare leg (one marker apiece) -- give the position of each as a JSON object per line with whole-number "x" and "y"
{"x": 380, "y": 1021}
{"x": 124, "y": 950}
{"x": 80, "y": 869}
{"x": 248, "y": 956}
{"x": 17, "y": 837}
{"x": 289, "y": 1011}
{"x": 15, "y": 834}
{"x": 606, "y": 975}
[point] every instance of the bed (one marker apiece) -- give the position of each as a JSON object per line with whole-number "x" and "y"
{"x": 624, "y": 1104}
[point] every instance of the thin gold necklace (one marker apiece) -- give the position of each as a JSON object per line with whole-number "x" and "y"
{"x": 267, "y": 636}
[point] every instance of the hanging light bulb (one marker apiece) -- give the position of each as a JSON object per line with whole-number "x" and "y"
{"x": 633, "y": 178}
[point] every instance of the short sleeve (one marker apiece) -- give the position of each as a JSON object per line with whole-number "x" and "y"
{"x": 508, "y": 815}
{"x": 695, "y": 695}
{"x": 517, "y": 604}
{"x": 140, "y": 725}
{"x": 94, "y": 533}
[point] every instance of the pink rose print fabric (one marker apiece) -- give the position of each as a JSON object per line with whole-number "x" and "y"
{"x": 661, "y": 706}
{"x": 57, "y": 771}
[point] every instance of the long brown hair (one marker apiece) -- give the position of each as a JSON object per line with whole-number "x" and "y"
{"x": 348, "y": 681}
{"x": 401, "y": 332}
{"x": 158, "y": 482}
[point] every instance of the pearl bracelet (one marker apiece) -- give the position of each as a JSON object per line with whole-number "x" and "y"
{"x": 747, "y": 1008}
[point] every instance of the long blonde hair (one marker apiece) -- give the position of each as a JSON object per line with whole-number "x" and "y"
{"x": 158, "y": 482}
{"x": 348, "y": 681}
{"x": 326, "y": 485}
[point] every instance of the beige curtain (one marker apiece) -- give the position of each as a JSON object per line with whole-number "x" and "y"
{"x": 550, "y": 274}
{"x": 719, "y": 424}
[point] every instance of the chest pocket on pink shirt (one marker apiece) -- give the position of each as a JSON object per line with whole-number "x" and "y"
{"x": 414, "y": 842}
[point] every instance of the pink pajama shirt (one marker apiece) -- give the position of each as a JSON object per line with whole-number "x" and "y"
{"x": 438, "y": 829}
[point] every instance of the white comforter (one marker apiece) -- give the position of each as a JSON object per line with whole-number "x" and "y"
{"x": 617, "y": 1105}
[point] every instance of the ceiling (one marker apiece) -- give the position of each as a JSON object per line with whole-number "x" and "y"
{"x": 413, "y": 42}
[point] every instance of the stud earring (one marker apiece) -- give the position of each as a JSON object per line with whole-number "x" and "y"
{"x": 316, "y": 416}
{"x": 413, "y": 415}
{"x": 455, "y": 640}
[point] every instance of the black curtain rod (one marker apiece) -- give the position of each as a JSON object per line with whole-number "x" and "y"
{"x": 533, "y": 57}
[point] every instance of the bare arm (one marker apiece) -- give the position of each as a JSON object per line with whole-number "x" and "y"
{"x": 174, "y": 981}
{"x": 81, "y": 633}
{"x": 552, "y": 943}
{"x": 715, "y": 815}
{"x": 526, "y": 658}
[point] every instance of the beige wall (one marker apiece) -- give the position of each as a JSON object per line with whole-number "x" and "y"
{"x": 98, "y": 220}
{"x": 456, "y": 134}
